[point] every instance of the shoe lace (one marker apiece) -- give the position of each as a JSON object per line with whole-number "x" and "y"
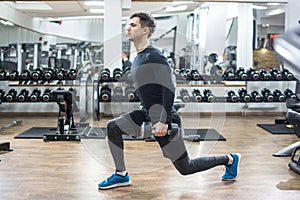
{"x": 112, "y": 178}
{"x": 228, "y": 170}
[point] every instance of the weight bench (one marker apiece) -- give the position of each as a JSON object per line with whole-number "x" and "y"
{"x": 293, "y": 118}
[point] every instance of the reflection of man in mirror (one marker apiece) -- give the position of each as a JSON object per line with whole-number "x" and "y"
{"x": 28, "y": 64}
{"x": 125, "y": 60}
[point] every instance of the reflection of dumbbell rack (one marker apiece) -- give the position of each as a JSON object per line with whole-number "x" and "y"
{"x": 112, "y": 89}
{"x": 34, "y": 86}
{"x": 39, "y": 76}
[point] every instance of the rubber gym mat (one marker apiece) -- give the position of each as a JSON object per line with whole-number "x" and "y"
{"x": 88, "y": 132}
{"x": 277, "y": 128}
{"x": 205, "y": 134}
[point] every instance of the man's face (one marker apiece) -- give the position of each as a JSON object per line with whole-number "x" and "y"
{"x": 135, "y": 30}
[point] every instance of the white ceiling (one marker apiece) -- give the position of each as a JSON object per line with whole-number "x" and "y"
{"x": 78, "y": 8}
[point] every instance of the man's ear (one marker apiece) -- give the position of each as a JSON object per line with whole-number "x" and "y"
{"x": 146, "y": 30}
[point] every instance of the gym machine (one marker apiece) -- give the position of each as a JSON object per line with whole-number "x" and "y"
{"x": 5, "y": 146}
{"x": 66, "y": 129}
{"x": 287, "y": 46}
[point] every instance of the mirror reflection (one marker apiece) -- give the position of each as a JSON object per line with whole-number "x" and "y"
{"x": 204, "y": 48}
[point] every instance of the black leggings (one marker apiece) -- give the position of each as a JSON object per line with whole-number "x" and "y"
{"x": 173, "y": 149}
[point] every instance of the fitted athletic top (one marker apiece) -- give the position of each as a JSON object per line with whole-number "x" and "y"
{"x": 154, "y": 83}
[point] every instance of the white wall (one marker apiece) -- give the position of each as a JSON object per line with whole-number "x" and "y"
{"x": 83, "y": 29}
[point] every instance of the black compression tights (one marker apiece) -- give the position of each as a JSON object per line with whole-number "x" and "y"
{"x": 184, "y": 164}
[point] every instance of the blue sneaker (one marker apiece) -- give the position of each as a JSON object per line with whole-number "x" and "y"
{"x": 115, "y": 180}
{"x": 232, "y": 170}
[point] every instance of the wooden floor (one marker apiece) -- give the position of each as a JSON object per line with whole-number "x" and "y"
{"x": 38, "y": 170}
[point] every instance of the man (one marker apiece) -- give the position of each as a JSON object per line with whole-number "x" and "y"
{"x": 125, "y": 60}
{"x": 155, "y": 87}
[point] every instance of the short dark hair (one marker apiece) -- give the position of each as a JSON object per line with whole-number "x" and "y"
{"x": 146, "y": 20}
{"x": 126, "y": 53}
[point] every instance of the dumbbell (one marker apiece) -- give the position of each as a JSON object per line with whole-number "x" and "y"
{"x": 252, "y": 74}
{"x": 183, "y": 74}
{"x": 2, "y": 75}
{"x": 13, "y": 75}
{"x": 229, "y": 74}
{"x": 275, "y": 74}
{"x": 197, "y": 95}
{"x": 131, "y": 94}
{"x": 35, "y": 95}
{"x": 287, "y": 75}
{"x": 2, "y": 93}
{"x": 36, "y": 74}
{"x": 184, "y": 95}
{"x": 105, "y": 75}
{"x": 117, "y": 74}
{"x": 241, "y": 74}
{"x": 48, "y": 74}
{"x": 25, "y": 75}
{"x": 244, "y": 96}
{"x": 264, "y": 75}
{"x": 255, "y": 96}
{"x": 278, "y": 95}
{"x": 194, "y": 75}
{"x": 46, "y": 97}
{"x": 72, "y": 74}
{"x": 232, "y": 97}
{"x": 208, "y": 95}
{"x": 289, "y": 94}
{"x": 213, "y": 58}
{"x": 267, "y": 95}
{"x": 147, "y": 130}
{"x": 11, "y": 95}
{"x": 105, "y": 94}
{"x": 23, "y": 95}
{"x": 61, "y": 74}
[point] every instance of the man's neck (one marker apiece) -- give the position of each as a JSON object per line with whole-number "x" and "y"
{"x": 141, "y": 46}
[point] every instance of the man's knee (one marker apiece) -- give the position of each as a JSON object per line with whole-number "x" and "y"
{"x": 183, "y": 170}
{"x": 111, "y": 126}
{"x": 182, "y": 164}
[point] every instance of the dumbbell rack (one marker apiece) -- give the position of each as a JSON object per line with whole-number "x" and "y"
{"x": 271, "y": 85}
{"x": 220, "y": 87}
{"x": 110, "y": 107}
{"x": 82, "y": 82}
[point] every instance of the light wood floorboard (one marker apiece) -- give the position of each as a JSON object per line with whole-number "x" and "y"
{"x": 37, "y": 170}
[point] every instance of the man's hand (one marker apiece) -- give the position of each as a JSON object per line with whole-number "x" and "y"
{"x": 161, "y": 129}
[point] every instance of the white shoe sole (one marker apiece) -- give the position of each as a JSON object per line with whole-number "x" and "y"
{"x": 116, "y": 185}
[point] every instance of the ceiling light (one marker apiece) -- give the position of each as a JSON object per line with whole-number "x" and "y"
{"x": 176, "y": 8}
{"x": 94, "y": 3}
{"x": 32, "y": 5}
{"x": 7, "y": 23}
{"x": 73, "y": 18}
{"x": 182, "y": 2}
{"x": 259, "y": 7}
{"x": 96, "y": 10}
{"x": 273, "y": 4}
